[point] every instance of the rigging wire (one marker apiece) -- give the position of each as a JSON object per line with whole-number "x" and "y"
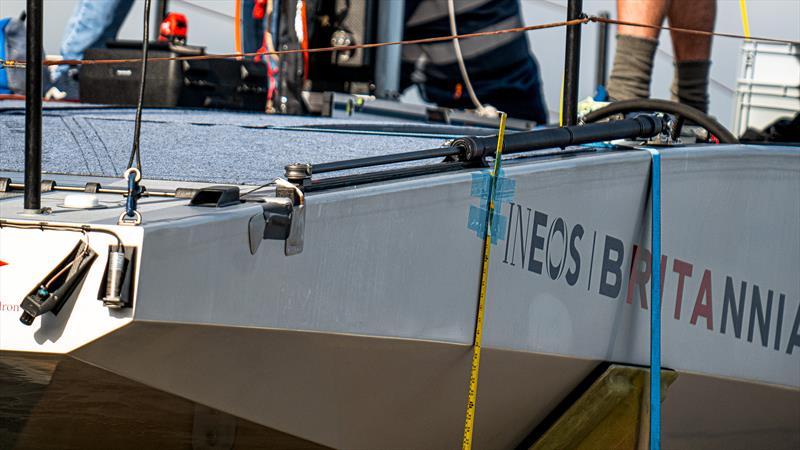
{"x": 257, "y": 188}
{"x": 691, "y": 31}
{"x": 137, "y": 128}
{"x": 131, "y": 215}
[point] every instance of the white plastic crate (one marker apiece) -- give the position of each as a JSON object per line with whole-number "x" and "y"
{"x": 768, "y": 87}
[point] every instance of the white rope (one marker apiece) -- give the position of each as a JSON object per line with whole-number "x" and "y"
{"x": 482, "y": 110}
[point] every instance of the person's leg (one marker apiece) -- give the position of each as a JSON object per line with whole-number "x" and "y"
{"x": 90, "y": 22}
{"x": 648, "y": 12}
{"x": 692, "y": 51}
{"x": 252, "y": 29}
{"x": 119, "y": 14}
{"x": 636, "y": 47}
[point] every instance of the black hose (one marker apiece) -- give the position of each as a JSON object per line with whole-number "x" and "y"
{"x": 655, "y": 105}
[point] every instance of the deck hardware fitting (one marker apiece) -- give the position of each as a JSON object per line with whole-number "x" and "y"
{"x": 53, "y": 291}
{"x": 298, "y": 174}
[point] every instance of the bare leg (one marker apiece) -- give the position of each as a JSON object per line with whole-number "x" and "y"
{"x": 648, "y": 12}
{"x": 692, "y": 51}
{"x": 694, "y": 15}
{"x": 636, "y": 47}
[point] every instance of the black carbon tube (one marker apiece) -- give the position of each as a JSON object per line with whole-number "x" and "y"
{"x": 475, "y": 148}
{"x": 601, "y": 69}
{"x": 33, "y": 107}
{"x": 383, "y": 159}
{"x": 572, "y": 64}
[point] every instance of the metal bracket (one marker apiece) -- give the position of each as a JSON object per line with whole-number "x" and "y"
{"x": 273, "y": 222}
{"x": 283, "y": 218}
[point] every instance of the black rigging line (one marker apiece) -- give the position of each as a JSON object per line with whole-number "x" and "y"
{"x": 135, "y": 153}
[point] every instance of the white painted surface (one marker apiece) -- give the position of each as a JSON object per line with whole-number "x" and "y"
{"x": 29, "y": 256}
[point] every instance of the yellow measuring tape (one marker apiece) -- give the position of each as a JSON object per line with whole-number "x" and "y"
{"x": 472, "y": 398}
{"x": 745, "y": 22}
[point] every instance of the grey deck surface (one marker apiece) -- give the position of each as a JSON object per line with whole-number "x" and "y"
{"x": 188, "y": 144}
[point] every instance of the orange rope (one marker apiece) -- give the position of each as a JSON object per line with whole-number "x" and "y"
{"x": 237, "y": 26}
{"x": 583, "y": 20}
{"x": 690, "y": 31}
{"x": 77, "y": 62}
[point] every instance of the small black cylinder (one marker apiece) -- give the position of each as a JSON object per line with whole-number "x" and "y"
{"x": 572, "y": 64}
{"x": 33, "y": 107}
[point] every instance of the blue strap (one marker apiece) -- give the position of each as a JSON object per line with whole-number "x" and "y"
{"x": 133, "y": 194}
{"x": 655, "y": 304}
{"x": 4, "y": 89}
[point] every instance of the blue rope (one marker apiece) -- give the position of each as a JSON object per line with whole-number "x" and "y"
{"x": 655, "y": 304}
{"x": 133, "y": 195}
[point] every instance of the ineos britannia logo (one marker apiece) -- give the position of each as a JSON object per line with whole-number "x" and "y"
{"x": 547, "y": 245}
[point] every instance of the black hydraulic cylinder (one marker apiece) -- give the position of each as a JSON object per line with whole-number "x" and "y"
{"x": 33, "y": 107}
{"x": 601, "y": 72}
{"x": 644, "y": 126}
{"x": 572, "y": 64}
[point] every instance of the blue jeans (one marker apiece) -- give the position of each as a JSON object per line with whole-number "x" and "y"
{"x": 93, "y": 23}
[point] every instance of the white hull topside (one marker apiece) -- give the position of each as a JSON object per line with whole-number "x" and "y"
{"x": 363, "y": 339}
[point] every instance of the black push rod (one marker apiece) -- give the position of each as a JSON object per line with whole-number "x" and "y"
{"x": 572, "y": 57}
{"x": 601, "y": 71}
{"x": 475, "y": 148}
{"x": 33, "y": 107}
{"x": 384, "y": 159}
